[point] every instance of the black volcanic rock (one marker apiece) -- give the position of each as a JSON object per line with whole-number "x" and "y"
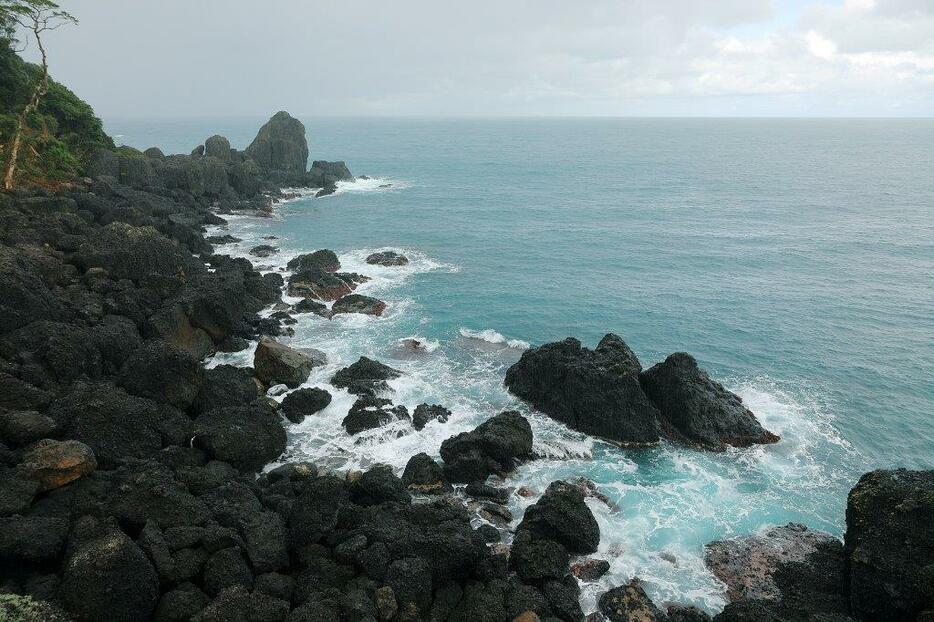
{"x": 164, "y": 373}
{"x": 109, "y": 578}
{"x": 495, "y": 446}
{"x": 316, "y": 283}
{"x": 630, "y": 602}
{"x": 562, "y": 515}
{"x": 429, "y": 412}
{"x": 593, "y": 391}
{"x": 423, "y": 475}
{"x": 263, "y": 250}
{"x": 217, "y": 147}
{"x": 247, "y": 436}
{"x": 370, "y": 412}
{"x": 324, "y": 260}
{"x": 365, "y": 377}
{"x": 303, "y": 402}
{"x": 889, "y": 545}
{"x": 358, "y": 303}
{"x": 280, "y": 145}
{"x": 698, "y": 410}
{"x": 387, "y": 258}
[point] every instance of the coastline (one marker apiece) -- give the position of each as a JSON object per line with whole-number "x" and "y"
{"x": 190, "y": 522}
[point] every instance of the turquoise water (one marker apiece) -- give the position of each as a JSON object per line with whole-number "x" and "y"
{"x": 793, "y": 258}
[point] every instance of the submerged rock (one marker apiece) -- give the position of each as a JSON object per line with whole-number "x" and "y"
{"x": 593, "y": 391}
{"x": 312, "y": 306}
{"x": 303, "y": 402}
{"x": 495, "y": 446}
{"x": 890, "y": 545}
{"x": 276, "y": 363}
{"x": 387, "y": 258}
{"x": 370, "y": 412}
{"x": 365, "y": 377}
{"x": 698, "y": 410}
{"x": 429, "y": 412}
{"x": 263, "y": 250}
{"x": 358, "y": 303}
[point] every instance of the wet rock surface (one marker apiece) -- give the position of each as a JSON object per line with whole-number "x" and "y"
{"x": 495, "y": 446}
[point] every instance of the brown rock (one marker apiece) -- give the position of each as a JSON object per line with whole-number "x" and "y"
{"x": 276, "y": 363}
{"x": 55, "y": 463}
{"x": 590, "y": 569}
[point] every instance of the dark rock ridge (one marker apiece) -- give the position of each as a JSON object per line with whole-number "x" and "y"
{"x": 605, "y": 393}
{"x": 365, "y": 377}
{"x": 387, "y": 258}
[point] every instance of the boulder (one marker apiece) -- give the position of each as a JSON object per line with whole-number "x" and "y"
{"x": 217, "y": 147}
{"x": 411, "y": 582}
{"x": 17, "y": 491}
{"x": 128, "y": 252}
{"x": 698, "y": 410}
{"x": 889, "y": 545}
{"x": 21, "y": 427}
{"x": 263, "y": 250}
{"x": 224, "y": 386}
{"x": 790, "y": 572}
{"x": 370, "y": 412}
{"x": 365, "y": 377}
{"x": 276, "y": 363}
{"x": 429, "y": 412}
{"x": 316, "y": 283}
{"x": 222, "y": 239}
{"x": 32, "y": 538}
{"x": 237, "y": 604}
{"x": 593, "y": 391}
{"x": 326, "y": 174}
{"x": 590, "y": 569}
{"x": 387, "y": 258}
{"x": 303, "y": 402}
{"x": 379, "y": 485}
{"x": 181, "y": 604}
{"x": 280, "y": 145}
{"x": 315, "y": 511}
{"x": 197, "y": 152}
{"x": 629, "y": 602}
{"x": 562, "y": 515}
{"x": 358, "y": 303}
{"x": 53, "y": 464}
{"x": 324, "y": 260}
{"x": 423, "y": 475}
{"x": 312, "y": 306}
{"x": 155, "y": 153}
{"x": 109, "y": 578}
{"x": 116, "y": 425}
{"x": 247, "y": 437}
{"x": 482, "y": 490}
{"x": 226, "y": 568}
{"x": 495, "y": 446}
{"x": 162, "y": 372}
{"x": 536, "y": 559}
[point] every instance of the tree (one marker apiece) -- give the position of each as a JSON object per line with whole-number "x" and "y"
{"x": 37, "y": 17}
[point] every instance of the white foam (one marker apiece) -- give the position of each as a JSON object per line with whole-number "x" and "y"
{"x": 491, "y": 336}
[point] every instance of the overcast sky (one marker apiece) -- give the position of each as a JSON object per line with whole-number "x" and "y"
{"x": 183, "y": 58}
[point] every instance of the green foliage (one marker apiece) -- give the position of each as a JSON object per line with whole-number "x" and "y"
{"x": 15, "y": 608}
{"x": 61, "y": 136}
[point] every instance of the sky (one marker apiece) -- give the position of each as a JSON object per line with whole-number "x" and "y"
{"x": 210, "y": 58}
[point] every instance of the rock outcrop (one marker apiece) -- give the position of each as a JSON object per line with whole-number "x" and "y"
{"x": 889, "y": 545}
{"x": 276, "y": 363}
{"x": 788, "y": 572}
{"x": 358, "y": 303}
{"x": 698, "y": 410}
{"x": 280, "y": 145}
{"x": 594, "y": 391}
{"x": 387, "y": 258}
{"x": 365, "y": 377}
{"x": 495, "y": 446}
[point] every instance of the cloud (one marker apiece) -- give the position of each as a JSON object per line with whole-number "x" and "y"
{"x": 176, "y": 58}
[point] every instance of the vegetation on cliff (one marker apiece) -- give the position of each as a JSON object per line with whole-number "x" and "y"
{"x": 59, "y": 131}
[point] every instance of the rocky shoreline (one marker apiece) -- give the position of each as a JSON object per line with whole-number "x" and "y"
{"x": 133, "y": 482}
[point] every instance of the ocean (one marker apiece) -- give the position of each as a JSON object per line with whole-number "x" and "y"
{"x": 793, "y": 258}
